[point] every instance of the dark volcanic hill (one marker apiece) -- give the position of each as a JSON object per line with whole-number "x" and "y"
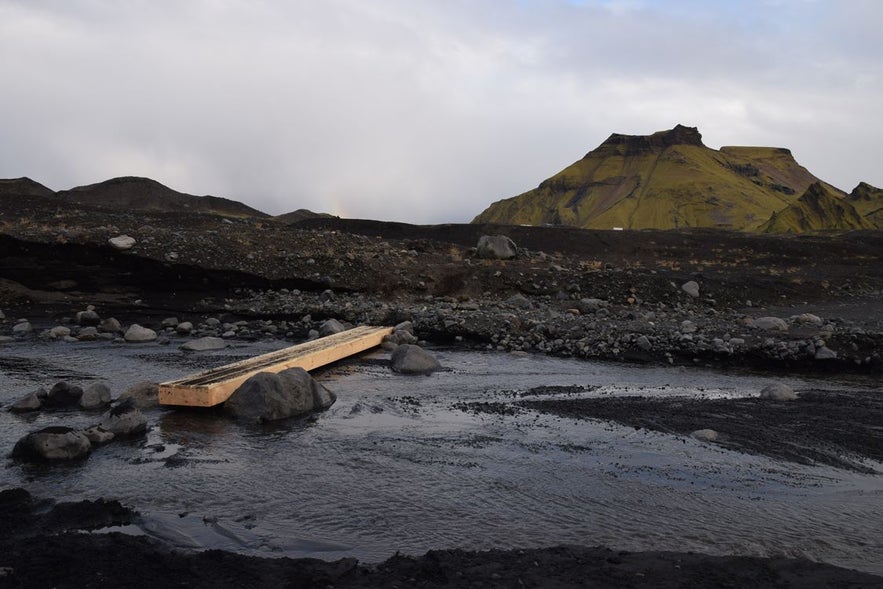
{"x": 23, "y": 187}
{"x": 666, "y": 180}
{"x": 300, "y": 215}
{"x": 144, "y": 194}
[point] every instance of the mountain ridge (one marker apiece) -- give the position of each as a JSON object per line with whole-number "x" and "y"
{"x": 665, "y": 180}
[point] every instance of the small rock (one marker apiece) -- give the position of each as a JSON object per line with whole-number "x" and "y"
{"x": 411, "y": 359}
{"x": 53, "y": 443}
{"x": 59, "y": 332}
{"x": 138, "y": 334}
{"x": 204, "y": 344}
{"x": 96, "y": 396}
{"x": 770, "y": 324}
{"x": 691, "y": 288}
{"x": 591, "y": 305}
{"x": 98, "y": 435}
{"x": 144, "y": 394}
{"x": 88, "y": 317}
{"x": 705, "y": 435}
{"x": 825, "y": 353}
{"x": 809, "y": 319}
{"x": 778, "y": 392}
{"x": 110, "y": 325}
{"x": 88, "y": 334}
{"x": 63, "y": 395}
{"x": 122, "y": 242}
{"x": 331, "y": 327}
{"x": 644, "y": 343}
{"x": 22, "y": 328}
{"x": 170, "y": 322}
{"x": 124, "y": 420}
{"x": 519, "y": 301}
{"x": 184, "y": 328}
{"x": 30, "y": 402}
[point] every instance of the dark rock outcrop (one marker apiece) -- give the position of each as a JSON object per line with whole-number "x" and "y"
{"x": 270, "y": 397}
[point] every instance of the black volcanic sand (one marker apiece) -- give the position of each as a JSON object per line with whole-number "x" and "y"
{"x": 70, "y": 558}
{"x": 839, "y": 429}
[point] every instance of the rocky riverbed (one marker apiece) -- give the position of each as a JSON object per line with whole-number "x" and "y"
{"x": 773, "y": 307}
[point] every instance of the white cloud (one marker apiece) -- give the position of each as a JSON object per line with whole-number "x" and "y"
{"x": 416, "y": 110}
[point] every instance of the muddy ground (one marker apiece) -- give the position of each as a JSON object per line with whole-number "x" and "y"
{"x": 54, "y": 262}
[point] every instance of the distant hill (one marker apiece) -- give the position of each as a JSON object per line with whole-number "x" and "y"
{"x": 666, "y": 180}
{"x": 24, "y": 187}
{"x": 300, "y": 215}
{"x": 143, "y": 194}
{"x": 817, "y": 209}
{"x": 868, "y": 201}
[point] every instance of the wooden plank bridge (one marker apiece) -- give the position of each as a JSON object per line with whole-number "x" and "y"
{"x": 212, "y": 387}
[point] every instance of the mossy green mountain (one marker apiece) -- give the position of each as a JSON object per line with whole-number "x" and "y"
{"x": 817, "y": 209}
{"x": 668, "y": 180}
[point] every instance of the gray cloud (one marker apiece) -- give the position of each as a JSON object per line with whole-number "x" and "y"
{"x": 416, "y": 110}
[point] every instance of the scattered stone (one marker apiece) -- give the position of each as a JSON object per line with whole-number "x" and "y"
{"x": 770, "y": 324}
{"x": 519, "y": 301}
{"x": 88, "y": 334}
{"x": 122, "y": 242}
{"x": 271, "y": 397}
{"x": 809, "y": 319}
{"x": 63, "y": 395}
{"x": 124, "y": 420}
{"x": 496, "y": 247}
{"x": 88, "y": 317}
{"x": 411, "y": 359}
{"x": 204, "y": 344}
{"x": 184, "y": 328}
{"x": 23, "y": 327}
{"x": 778, "y": 392}
{"x": 644, "y": 343}
{"x": 591, "y": 305}
{"x": 59, "y": 332}
{"x": 96, "y": 396}
{"x": 144, "y": 394}
{"x": 110, "y": 325}
{"x": 825, "y": 353}
{"x": 138, "y": 334}
{"x": 705, "y": 435}
{"x": 170, "y": 322}
{"x": 691, "y": 288}
{"x": 331, "y": 327}
{"x": 98, "y": 435}
{"x": 30, "y": 402}
{"x": 52, "y": 443}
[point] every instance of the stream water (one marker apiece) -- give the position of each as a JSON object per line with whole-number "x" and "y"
{"x": 398, "y": 465}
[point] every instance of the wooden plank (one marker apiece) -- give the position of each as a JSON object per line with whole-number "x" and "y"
{"x": 212, "y": 387}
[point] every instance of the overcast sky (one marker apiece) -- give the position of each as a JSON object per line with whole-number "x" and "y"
{"x": 417, "y": 110}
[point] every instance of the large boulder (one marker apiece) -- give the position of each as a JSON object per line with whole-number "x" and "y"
{"x": 137, "y": 334}
{"x": 269, "y": 397}
{"x": 496, "y": 247}
{"x": 411, "y": 359}
{"x": 124, "y": 420}
{"x": 144, "y": 394}
{"x": 53, "y": 443}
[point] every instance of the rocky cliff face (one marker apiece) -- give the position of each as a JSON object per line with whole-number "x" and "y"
{"x": 817, "y": 209}
{"x": 868, "y": 201}
{"x": 666, "y": 180}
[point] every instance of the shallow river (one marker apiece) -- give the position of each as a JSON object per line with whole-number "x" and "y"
{"x": 395, "y": 465}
